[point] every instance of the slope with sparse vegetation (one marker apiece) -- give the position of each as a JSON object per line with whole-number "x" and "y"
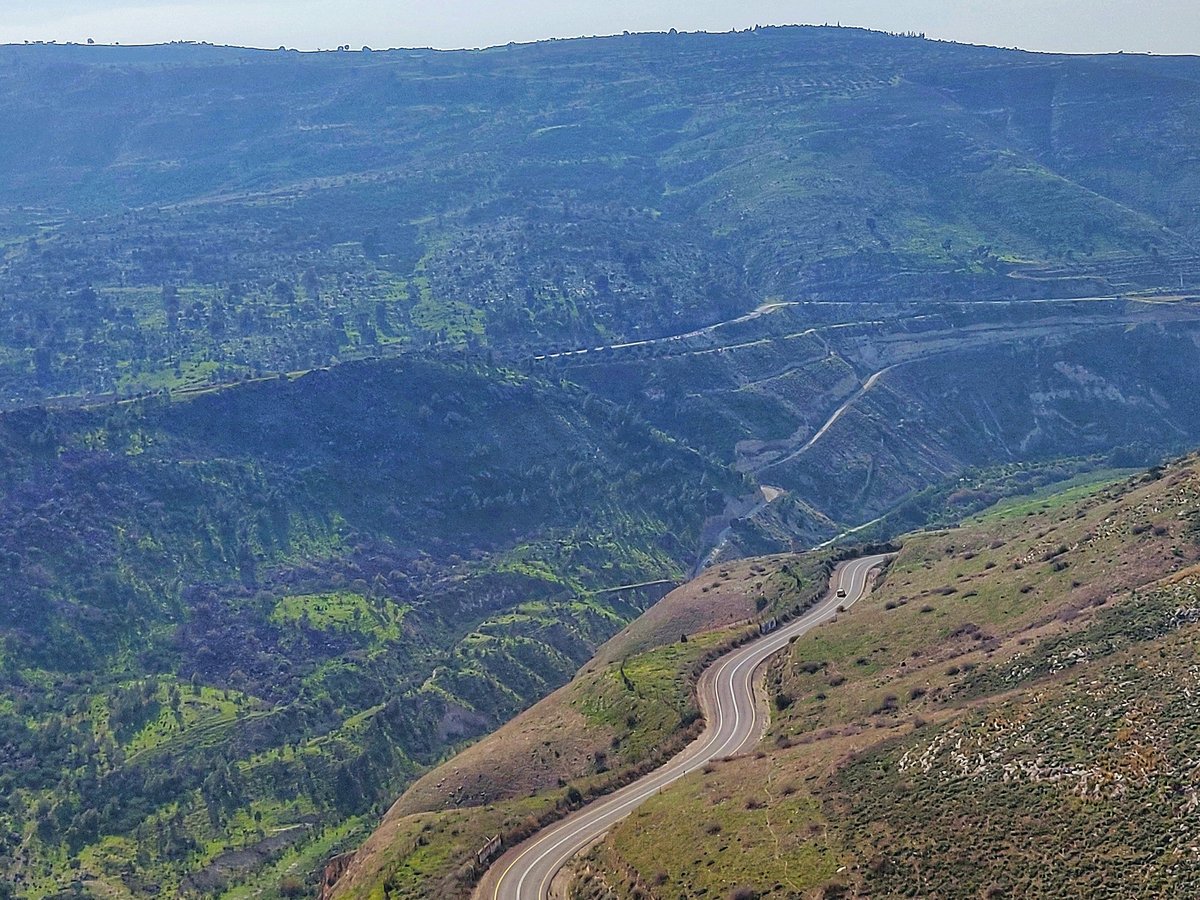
{"x": 297, "y": 495}
{"x": 1010, "y": 712}
{"x": 628, "y": 709}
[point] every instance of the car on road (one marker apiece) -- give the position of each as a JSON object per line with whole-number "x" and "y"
{"x": 841, "y": 592}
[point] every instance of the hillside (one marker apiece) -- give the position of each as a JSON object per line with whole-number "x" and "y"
{"x": 1025, "y": 680}
{"x": 849, "y": 411}
{"x": 350, "y": 403}
{"x": 629, "y": 709}
{"x": 221, "y": 635}
{"x": 829, "y": 233}
{"x": 178, "y": 215}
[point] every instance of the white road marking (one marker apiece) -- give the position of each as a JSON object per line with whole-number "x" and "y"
{"x": 732, "y": 681}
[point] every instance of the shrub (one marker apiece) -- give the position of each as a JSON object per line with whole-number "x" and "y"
{"x": 890, "y": 704}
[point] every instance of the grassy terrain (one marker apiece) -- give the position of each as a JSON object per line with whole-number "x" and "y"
{"x": 1086, "y": 784}
{"x": 631, "y": 705}
{"x": 1023, "y": 679}
{"x": 225, "y": 649}
{"x": 178, "y": 230}
{"x": 730, "y": 825}
{"x": 1045, "y": 499}
{"x": 340, "y": 612}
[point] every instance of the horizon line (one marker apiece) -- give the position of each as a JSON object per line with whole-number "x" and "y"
{"x": 365, "y": 48}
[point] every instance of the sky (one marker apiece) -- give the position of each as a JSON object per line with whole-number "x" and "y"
{"x": 1070, "y": 26}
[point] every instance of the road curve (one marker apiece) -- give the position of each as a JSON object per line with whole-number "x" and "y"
{"x": 734, "y": 722}
{"x": 838, "y": 413}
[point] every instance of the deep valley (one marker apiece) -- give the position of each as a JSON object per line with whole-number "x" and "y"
{"x": 416, "y": 424}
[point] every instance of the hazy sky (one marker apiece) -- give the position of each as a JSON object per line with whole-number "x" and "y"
{"x": 1158, "y": 26}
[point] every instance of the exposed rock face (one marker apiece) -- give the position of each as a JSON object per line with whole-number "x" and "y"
{"x": 334, "y": 870}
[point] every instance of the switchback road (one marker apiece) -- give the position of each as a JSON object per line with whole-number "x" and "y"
{"x": 735, "y": 720}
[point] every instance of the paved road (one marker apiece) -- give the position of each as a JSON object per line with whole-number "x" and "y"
{"x": 764, "y": 309}
{"x": 838, "y": 413}
{"x": 735, "y": 721}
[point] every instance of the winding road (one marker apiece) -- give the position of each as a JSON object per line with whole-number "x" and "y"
{"x": 838, "y": 413}
{"x": 735, "y": 720}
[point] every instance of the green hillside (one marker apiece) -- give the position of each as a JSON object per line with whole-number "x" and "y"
{"x": 1010, "y": 712}
{"x": 183, "y": 214}
{"x": 253, "y": 615}
{"x": 350, "y": 401}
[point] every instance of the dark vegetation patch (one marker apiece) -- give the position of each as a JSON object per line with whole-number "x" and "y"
{"x": 233, "y": 606}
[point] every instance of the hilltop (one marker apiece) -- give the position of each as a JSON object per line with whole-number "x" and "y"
{"x": 183, "y": 214}
{"x": 353, "y": 401}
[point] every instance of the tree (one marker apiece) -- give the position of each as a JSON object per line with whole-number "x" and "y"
{"x": 170, "y": 302}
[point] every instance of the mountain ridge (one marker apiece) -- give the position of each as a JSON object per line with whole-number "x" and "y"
{"x": 344, "y": 389}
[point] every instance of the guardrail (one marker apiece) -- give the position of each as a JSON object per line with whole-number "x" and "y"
{"x": 485, "y": 853}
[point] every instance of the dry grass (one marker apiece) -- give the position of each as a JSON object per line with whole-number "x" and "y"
{"x": 623, "y": 710}
{"x": 721, "y": 596}
{"x": 967, "y": 621}
{"x": 957, "y": 601}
